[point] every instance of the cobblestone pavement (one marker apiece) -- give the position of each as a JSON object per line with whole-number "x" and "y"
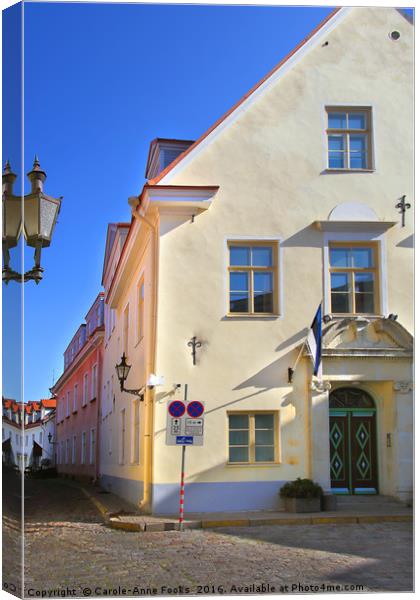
{"x": 80, "y": 553}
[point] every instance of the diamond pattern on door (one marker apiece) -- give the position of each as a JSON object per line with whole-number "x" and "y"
{"x": 353, "y": 467}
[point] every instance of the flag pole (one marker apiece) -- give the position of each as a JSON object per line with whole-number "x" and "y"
{"x": 291, "y": 370}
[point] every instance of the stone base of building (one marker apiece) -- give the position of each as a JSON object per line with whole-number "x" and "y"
{"x": 128, "y": 489}
{"x": 218, "y": 496}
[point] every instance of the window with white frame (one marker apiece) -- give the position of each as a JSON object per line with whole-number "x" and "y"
{"x": 85, "y": 389}
{"x": 83, "y": 449}
{"x": 353, "y": 276}
{"x": 126, "y": 323}
{"x": 140, "y": 310}
{"x": 122, "y": 437}
{"x": 252, "y": 276}
{"x": 349, "y": 138}
{"x": 112, "y": 319}
{"x": 94, "y": 382}
{"x": 75, "y": 397}
{"x": 252, "y": 437}
{"x": 67, "y": 451}
{"x": 68, "y": 404}
{"x": 135, "y": 445}
{"x": 73, "y": 450}
{"x": 92, "y": 447}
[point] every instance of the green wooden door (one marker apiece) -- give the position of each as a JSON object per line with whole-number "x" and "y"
{"x": 353, "y": 457}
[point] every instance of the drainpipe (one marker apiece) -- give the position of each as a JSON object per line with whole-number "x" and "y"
{"x": 146, "y": 503}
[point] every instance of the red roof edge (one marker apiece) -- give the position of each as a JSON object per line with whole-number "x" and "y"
{"x": 249, "y": 93}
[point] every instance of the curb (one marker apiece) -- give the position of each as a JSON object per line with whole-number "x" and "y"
{"x": 114, "y": 523}
{"x": 101, "y": 507}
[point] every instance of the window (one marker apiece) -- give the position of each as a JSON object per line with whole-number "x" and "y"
{"x": 135, "y": 457}
{"x": 349, "y": 138}
{"x": 75, "y": 397}
{"x": 122, "y": 436}
{"x": 83, "y": 452}
{"x": 252, "y": 437}
{"x": 40, "y": 438}
{"x": 125, "y": 328}
{"x": 68, "y": 404}
{"x": 252, "y": 278}
{"x": 140, "y": 315}
{"x": 110, "y": 440}
{"x": 67, "y": 451}
{"x": 94, "y": 381}
{"x": 73, "y": 451}
{"x": 92, "y": 447}
{"x": 112, "y": 319}
{"x": 85, "y": 388}
{"x": 353, "y": 278}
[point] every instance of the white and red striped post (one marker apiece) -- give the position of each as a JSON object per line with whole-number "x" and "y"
{"x": 182, "y": 488}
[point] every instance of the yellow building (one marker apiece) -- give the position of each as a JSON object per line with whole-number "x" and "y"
{"x": 289, "y": 199}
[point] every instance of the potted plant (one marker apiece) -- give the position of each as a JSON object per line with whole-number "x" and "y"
{"x": 301, "y": 495}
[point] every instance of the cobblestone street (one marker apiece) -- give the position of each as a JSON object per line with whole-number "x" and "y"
{"x": 91, "y": 559}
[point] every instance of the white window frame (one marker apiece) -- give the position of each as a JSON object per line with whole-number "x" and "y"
{"x": 278, "y": 293}
{"x": 324, "y": 126}
{"x": 126, "y": 330}
{"x": 141, "y": 308}
{"x": 368, "y": 237}
{"x": 67, "y": 450}
{"x": 92, "y": 446}
{"x": 135, "y": 432}
{"x": 83, "y": 449}
{"x": 122, "y": 428}
{"x": 73, "y": 450}
{"x": 85, "y": 389}
{"x": 94, "y": 382}
{"x": 75, "y": 397}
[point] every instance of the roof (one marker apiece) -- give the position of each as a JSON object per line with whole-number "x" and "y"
{"x": 328, "y": 21}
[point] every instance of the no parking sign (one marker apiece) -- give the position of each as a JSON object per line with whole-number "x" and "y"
{"x": 185, "y": 423}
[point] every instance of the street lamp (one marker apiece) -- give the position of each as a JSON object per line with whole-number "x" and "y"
{"x": 50, "y": 439}
{"x": 39, "y": 212}
{"x": 123, "y": 370}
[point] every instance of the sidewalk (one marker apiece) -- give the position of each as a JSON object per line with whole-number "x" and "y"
{"x": 120, "y": 514}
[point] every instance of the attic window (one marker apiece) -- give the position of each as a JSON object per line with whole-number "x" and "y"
{"x": 395, "y": 35}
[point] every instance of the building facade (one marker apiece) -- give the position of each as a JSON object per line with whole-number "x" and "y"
{"x": 25, "y": 430}
{"x": 78, "y": 393}
{"x": 292, "y": 198}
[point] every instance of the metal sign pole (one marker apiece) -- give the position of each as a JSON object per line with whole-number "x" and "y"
{"x": 182, "y": 490}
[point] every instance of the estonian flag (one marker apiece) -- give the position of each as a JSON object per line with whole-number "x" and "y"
{"x": 314, "y": 342}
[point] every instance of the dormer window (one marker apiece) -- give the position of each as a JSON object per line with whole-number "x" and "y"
{"x": 349, "y": 139}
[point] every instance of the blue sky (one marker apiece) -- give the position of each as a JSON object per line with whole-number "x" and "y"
{"x": 101, "y": 81}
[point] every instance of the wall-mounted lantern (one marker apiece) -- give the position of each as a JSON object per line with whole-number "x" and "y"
{"x": 35, "y": 214}
{"x": 123, "y": 370}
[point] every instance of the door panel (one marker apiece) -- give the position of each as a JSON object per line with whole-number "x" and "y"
{"x": 339, "y": 459}
{"x": 363, "y": 454}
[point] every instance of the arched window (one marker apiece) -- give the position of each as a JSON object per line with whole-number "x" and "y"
{"x": 351, "y": 398}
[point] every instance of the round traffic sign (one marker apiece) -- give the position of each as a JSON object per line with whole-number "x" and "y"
{"x": 176, "y": 408}
{"x": 195, "y": 409}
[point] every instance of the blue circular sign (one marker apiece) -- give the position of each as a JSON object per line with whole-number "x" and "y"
{"x": 176, "y": 408}
{"x": 195, "y": 409}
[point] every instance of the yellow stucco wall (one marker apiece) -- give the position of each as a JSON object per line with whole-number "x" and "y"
{"x": 270, "y": 166}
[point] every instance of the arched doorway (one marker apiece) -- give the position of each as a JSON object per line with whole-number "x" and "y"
{"x": 353, "y": 456}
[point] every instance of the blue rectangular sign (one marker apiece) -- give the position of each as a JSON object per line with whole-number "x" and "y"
{"x": 184, "y": 440}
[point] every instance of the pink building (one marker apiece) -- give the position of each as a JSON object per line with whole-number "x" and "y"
{"x": 78, "y": 398}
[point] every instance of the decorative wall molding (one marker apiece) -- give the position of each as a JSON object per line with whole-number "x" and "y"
{"x": 320, "y": 386}
{"x": 403, "y": 387}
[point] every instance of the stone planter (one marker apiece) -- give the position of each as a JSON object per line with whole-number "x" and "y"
{"x": 302, "y": 505}
{"x": 328, "y": 502}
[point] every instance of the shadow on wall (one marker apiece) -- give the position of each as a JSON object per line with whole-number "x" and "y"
{"x": 408, "y": 242}
{"x": 308, "y": 237}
